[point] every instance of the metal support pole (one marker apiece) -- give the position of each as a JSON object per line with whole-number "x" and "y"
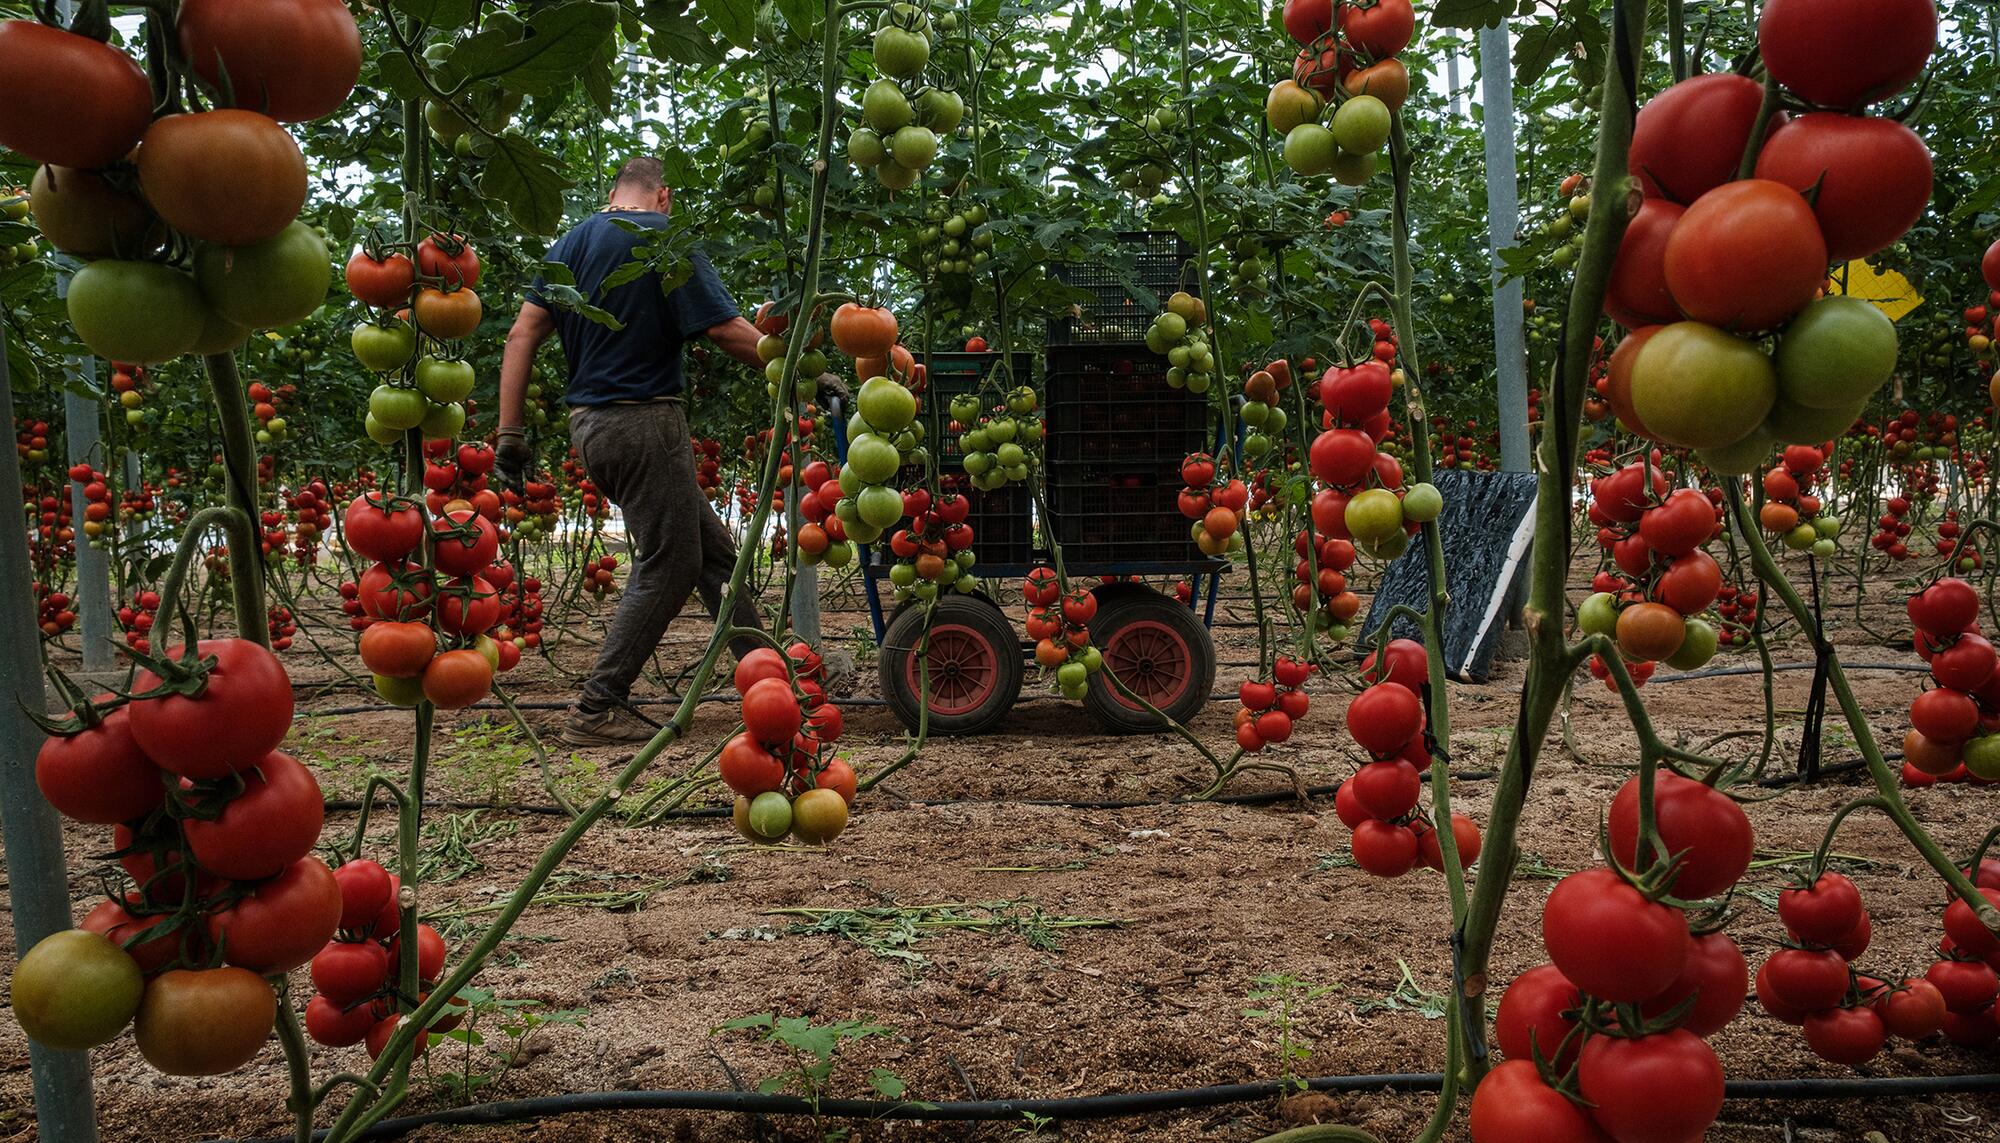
{"x": 38, "y": 876}
{"x": 1451, "y": 86}
{"x": 1503, "y": 217}
{"x": 83, "y": 438}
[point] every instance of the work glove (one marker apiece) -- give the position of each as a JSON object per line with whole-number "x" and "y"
{"x": 512, "y": 457}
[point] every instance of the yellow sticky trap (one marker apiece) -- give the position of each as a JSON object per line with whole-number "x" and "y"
{"x": 1886, "y": 290}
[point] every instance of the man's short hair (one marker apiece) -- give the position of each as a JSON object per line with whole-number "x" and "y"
{"x": 644, "y": 173}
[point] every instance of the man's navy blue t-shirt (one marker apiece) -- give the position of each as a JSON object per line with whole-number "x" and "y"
{"x": 642, "y": 361}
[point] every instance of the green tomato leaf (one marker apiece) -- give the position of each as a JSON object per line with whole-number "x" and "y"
{"x": 545, "y": 56}
{"x": 1469, "y": 13}
{"x": 395, "y": 71}
{"x": 735, "y": 19}
{"x": 439, "y": 14}
{"x": 529, "y": 180}
{"x": 677, "y": 35}
{"x": 887, "y": 1082}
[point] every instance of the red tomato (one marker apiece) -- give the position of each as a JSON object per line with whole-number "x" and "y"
{"x": 114, "y": 921}
{"x": 1349, "y": 811}
{"x": 379, "y": 1036}
{"x": 1308, "y": 20}
{"x": 1408, "y": 665}
{"x": 1966, "y": 665}
{"x": 1716, "y": 976}
{"x": 1697, "y": 823}
{"x": 467, "y": 605}
{"x": 1383, "y": 718}
{"x": 1767, "y": 998}
{"x": 204, "y": 1022}
{"x": 1638, "y": 294}
{"x": 282, "y": 922}
{"x": 1513, "y": 1105}
{"x": 1386, "y": 790}
{"x": 1381, "y": 29}
{"x": 1610, "y": 940}
{"x": 1746, "y": 256}
{"x": 1805, "y": 979}
{"x": 457, "y": 679}
{"x": 1664, "y": 1088}
{"x": 1536, "y": 1015}
{"x": 275, "y": 821}
{"x": 1690, "y": 138}
{"x": 365, "y": 890}
{"x": 240, "y": 715}
{"x": 1850, "y": 1036}
{"x": 1465, "y": 835}
{"x": 1871, "y": 177}
{"x": 1944, "y": 715}
{"x": 1383, "y": 849}
{"x": 1679, "y": 524}
{"x": 430, "y": 953}
{"x": 748, "y": 768}
{"x": 386, "y": 284}
{"x": 1913, "y": 1011}
{"x": 1967, "y": 986}
{"x": 770, "y": 711}
{"x": 397, "y": 649}
{"x": 463, "y": 542}
{"x": 450, "y": 257}
{"x": 1964, "y": 929}
{"x": 1823, "y": 913}
{"x": 68, "y": 99}
{"x": 1690, "y": 583}
{"x": 383, "y": 526}
{"x": 99, "y": 775}
{"x": 1846, "y": 52}
{"x": 295, "y": 60}
{"x": 327, "y": 1024}
{"x": 395, "y": 591}
{"x": 762, "y": 663}
{"x": 345, "y": 972}
{"x": 1945, "y": 608}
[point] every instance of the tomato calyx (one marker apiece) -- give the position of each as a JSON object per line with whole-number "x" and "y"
{"x": 84, "y": 713}
{"x": 177, "y": 676}
{"x": 1656, "y": 881}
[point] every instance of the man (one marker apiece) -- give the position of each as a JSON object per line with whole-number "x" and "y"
{"x": 629, "y": 426}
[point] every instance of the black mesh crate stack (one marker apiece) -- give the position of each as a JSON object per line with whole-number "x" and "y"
{"x": 1117, "y": 434}
{"x": 1003, "y": 528}
{"x": 1157, "y": 261}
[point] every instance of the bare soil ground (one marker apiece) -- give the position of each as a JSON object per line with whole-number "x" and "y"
{"x": 650, "y": 937}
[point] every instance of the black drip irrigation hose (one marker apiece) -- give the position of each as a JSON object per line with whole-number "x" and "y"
{"x": 1081, "y": 1107}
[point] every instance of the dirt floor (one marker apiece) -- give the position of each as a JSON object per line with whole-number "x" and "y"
{"x": 1075, "y": 951}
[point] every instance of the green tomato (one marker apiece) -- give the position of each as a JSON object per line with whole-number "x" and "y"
{"x": 1361, "y": 125}
{"x": 977, "y": 464}
{"x": 965, "y": 408}
{"x": 1801, "y": 538}
{"x": 1698, "y": 387}
{"x": 885, "y": 108}
{"x": 1374, "y": 515}
{"x": 442, "y": 422}
{"x": 1824, "y": 548}
{"x": 886, "y": 404}
{"x": 1072, "y": 675}
{"x": 219, "y": 335}
{"x": 136, "y": 312}
{"x": 1352, "y": 170}
{"x": 380, "y": 433}
{"x": 1791, "y": 423}
{"x": 397, "y": 408}
{"x": 1002, "y": 430}
{"x": 900, "y": 52}
{"x": 383, "y": 348}
{"x": 1698, "y": 643}
{"x": 76, "y": 989}
{"x": 838, "y": 555}
{"x": 902, "y": 575}
{"x": 1423, "y": 503}
{"x": 913, "y": 147}
{"x": 866, "y": 149}
{"x": 1311, "y": 149}
{"x": 278, "y": 281}
{"x": 1745, "y": 456}
{"x": 771, "y": 815}
{"x": 1021, "y": 400}
{"x": 405, "y": 693}
{"x": 1835, "y": 353}
{"x": 1255, "y": 413}
{"x": 442, "y": 380}
{"x": 1982, "y": 756}
{"x": 879, "y": 505}
{"x": 1828, "y": 527}
{"x": 1598, "y": 614}
{"x": 872, "y": 458}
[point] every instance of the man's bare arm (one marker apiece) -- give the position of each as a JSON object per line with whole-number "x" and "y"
{"x": 738, "y": 338}
{"x": 517, "y": 360}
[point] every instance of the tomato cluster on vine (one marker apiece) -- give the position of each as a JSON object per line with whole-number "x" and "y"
{"x": 783, "y": 766}
{"x": 1363, "y": 498}
{"x": 1059, "y": 624}
{"x": 1270, "y": 708}
{"x": 1791, "y": 513}
{"x": 1392, "y": 834}
{"x": 1955, "y": 726}
{"x": 935, "y": 550}
{"x": 355, "y": 1000}
{"x": 1663, "y": 581}
{"x": 1347, "y": 57}
{"x": 1216, "y": 505}
{"x": 215, "y": 826}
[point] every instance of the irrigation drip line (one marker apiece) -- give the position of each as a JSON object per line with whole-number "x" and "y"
{"x": 1081, "y": 1107}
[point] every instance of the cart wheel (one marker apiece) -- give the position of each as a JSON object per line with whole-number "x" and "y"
{"x": 1160, "y": 651}
{"x": 975, "y": 666}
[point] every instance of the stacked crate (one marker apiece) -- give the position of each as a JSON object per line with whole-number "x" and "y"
{"x": 1116, "y": 432}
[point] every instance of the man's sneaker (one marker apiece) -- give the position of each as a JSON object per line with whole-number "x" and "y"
{"x": 615, "y": 727}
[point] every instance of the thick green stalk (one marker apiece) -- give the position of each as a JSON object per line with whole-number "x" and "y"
{"x": 1549, "y": 662}
{"x": 239, "y": 467}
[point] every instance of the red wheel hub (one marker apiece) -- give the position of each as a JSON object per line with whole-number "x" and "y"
{"x": 964, "y": 670}
{"x": 1152, "y": 659}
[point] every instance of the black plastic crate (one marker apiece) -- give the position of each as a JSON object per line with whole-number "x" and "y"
{"x": 1113, "y": 404}
{"x": 1157, "y": 261}
{"x": 1119, "y": 513}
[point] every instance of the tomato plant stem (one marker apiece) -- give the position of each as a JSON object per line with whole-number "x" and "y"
{"x": 239, "y": 469}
